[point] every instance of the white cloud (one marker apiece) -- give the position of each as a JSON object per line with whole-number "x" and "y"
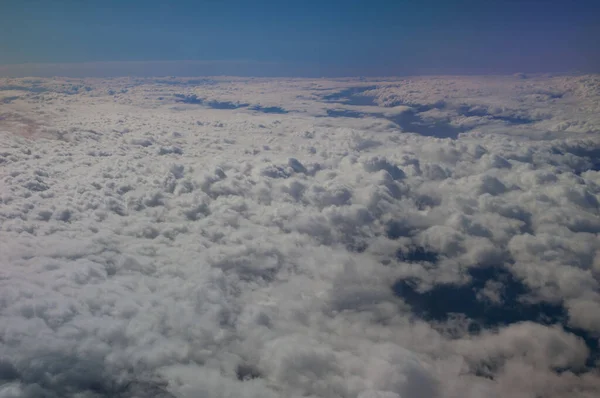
{"x": 151, "y": 247}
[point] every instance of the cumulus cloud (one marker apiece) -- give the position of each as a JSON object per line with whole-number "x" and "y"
{"x": 156, "y": 248}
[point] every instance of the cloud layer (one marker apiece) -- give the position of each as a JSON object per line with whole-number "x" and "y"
{"x": 153, "y": 247}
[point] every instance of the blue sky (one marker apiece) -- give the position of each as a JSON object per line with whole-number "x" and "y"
{"x": 350, "y": 37}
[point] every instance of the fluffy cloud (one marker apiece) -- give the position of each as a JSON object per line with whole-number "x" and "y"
{"x": 156, "y": 248}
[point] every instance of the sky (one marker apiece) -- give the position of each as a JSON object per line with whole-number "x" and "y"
{"x": 350, "y": 37}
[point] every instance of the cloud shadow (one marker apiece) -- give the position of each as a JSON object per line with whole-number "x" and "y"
{"x": 352, "y": 96}
{"x": 269, "y": 109}
{"x": 444, "y": 300}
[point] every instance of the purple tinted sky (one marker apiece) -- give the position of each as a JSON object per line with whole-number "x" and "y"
{"x": 349, "y": 37}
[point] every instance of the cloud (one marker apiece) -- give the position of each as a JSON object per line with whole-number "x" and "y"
{"x": 154, "y": 248}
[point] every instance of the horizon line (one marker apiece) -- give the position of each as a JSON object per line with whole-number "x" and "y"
{"x": 237, "y": 68}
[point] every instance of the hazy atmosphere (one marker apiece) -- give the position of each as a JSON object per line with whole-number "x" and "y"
{"x": 225, "y": 199}
{"x": 300, "y": 38}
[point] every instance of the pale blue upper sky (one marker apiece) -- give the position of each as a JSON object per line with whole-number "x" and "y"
{"x": 311, "y": 37}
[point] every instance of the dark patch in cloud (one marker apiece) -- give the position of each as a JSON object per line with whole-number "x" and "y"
{"x": 189, "y": 99}
{"x": 167, "y": 150}
{"x": 426, "y": 107}
{"x": 8, "y": 100}
{"x": 417, "y": 107}
{"x": 214, "y": 104}
{"x": 31, "y": 89}
{"x": 297, "y": 166}
{"x": 509, "y": 306}
{"x": 344, "y": 113}
{"x": 380, "y": 163}
{"x": 245, "y": 372}
{"x": 352, "y": 96}
{"x": 413, "y": 123}
{"x": 482, "y": 112}
{"x": 445, "y": 299}
{"x": 225, "y": 104}
{"x": 590, "y": 152}
{"x": 550, "y": 94}
{"x": 8, "y": 372}
{"x": 74, "y": 89}
{"x": 425, "y": 201}
{"x": 413, "y": 254}
{"x": 408, "y": 121}
{"x": 58, "y": 375}
{"x": 268, "y": 109}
